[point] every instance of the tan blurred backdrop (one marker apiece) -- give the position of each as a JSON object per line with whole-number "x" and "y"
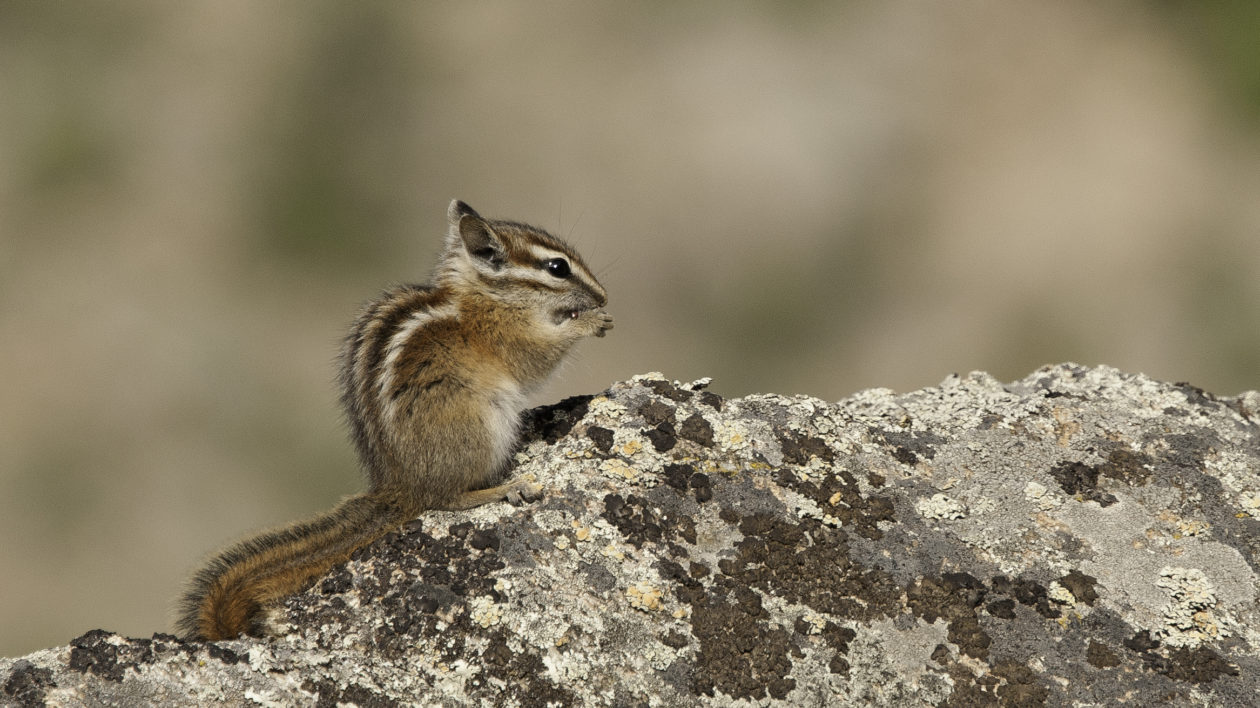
{"x": 798, "y": 198}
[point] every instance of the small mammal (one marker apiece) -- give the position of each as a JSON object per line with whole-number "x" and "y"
{"x": 433, "y": 381}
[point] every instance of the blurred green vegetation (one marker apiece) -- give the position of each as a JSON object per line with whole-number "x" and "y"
{"x": 1223, "y": 33}
{"x": 327, "y": 144}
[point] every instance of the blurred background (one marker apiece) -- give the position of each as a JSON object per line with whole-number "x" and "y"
{"x": 809, "y": 197}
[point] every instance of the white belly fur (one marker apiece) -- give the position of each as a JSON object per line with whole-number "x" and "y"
{"x": 504, "y": 421}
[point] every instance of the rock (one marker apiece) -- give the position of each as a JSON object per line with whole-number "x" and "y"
{"x": 1080, "y": 537}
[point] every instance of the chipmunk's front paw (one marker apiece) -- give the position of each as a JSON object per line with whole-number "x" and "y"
{"x": 522, "y": 490}
{"x": 603, "y": 323}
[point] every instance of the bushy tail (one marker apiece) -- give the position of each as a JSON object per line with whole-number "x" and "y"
{"x": 225, "y": 599}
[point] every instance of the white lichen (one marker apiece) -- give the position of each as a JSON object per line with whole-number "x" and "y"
{"x": 605, "y": 408}
{"x": 1189, "y": 619}
{"x": 1250, "y": 503}
{"x": 485, "y": 611}
{"x": 941, "y": 507}
{"x": 1060, "y": 594}
{"x": 731, "y": 435}
{"x": 815, "y": 623}
{"x": 1041, "y": 497}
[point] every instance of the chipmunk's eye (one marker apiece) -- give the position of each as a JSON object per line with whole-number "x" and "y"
{"x": 558, "y": 267}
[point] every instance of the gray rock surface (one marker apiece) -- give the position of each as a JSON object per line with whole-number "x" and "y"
{"x": 1080, "y": 537}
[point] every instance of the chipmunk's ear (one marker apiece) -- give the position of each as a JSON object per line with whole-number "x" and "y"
{"x": 474, "y": 236}
{"x": 458, "y": 209}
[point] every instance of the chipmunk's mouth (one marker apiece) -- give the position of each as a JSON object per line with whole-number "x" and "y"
{"x": 575, "y": 307}
{"x": 564, "y": 315}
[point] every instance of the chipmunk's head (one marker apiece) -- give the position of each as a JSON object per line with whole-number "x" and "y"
{"x": 520, "y": 266}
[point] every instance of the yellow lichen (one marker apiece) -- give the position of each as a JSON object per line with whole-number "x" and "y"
{"x": 643, "y": 596}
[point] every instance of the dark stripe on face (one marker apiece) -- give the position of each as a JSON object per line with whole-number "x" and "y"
{"x": 517, "y": 239}
{"x": 505, "y": 282}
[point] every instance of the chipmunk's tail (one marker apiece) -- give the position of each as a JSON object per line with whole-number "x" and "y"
{"x": 226, "y": 597}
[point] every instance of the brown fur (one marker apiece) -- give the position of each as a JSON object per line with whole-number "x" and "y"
{"x": 433, "y": 378}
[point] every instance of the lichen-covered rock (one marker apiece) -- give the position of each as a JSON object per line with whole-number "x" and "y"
{"x": 1081, "y": 537}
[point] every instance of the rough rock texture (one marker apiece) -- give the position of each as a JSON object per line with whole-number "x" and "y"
{"x": 1081, "y": 537}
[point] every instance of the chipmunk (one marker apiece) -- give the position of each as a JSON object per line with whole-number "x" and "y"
{"x": 433, "y": 381}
